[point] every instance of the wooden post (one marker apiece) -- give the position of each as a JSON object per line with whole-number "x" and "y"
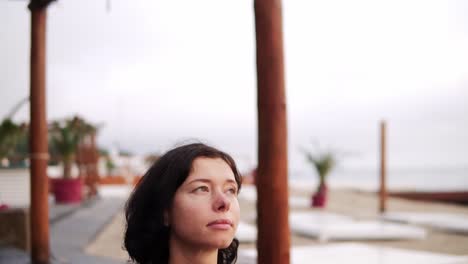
{"x": 272, "y": 184}
{"x": 38, "y": 138}
{"x": 383, "y": 169}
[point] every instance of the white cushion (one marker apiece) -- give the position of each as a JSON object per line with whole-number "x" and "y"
{"x": 328, "y": 226}
{"x": 444, "y": 221}
{"x": 355, "y": 253}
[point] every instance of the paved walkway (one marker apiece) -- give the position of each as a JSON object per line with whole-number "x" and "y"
{"x": 72, "y": 228}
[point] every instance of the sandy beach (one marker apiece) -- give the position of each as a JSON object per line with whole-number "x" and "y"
{"x": 357, "y": 204}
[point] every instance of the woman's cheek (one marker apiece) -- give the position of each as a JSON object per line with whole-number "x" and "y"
{"x": 236, "y": 210}
{"x": 196, "y": 205}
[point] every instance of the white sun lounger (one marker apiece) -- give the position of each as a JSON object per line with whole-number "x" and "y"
{"x": 246, "y": 233}
{"x": 448, "y": 222}
{"x": 355, "y": 253}
{"x": 337, "y": 227}
{"x": 318, "y": 216}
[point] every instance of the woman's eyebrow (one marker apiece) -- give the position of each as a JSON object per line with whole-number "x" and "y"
{"x": 209, "y": 181}
{"x": 231, "y": 181}
{"x": 200, "y": 180}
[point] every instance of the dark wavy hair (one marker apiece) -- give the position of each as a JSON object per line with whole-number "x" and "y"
{"x": 146, "y": 237}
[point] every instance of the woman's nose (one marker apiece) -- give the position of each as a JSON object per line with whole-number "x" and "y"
{"x": 221, "y": 202}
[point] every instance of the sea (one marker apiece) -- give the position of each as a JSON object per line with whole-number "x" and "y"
{"x": 413, "y": 179}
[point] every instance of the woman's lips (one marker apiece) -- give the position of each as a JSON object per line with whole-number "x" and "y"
{"x": 220, "y": 224}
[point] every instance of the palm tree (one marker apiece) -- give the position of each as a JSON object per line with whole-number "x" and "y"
{"x": 66, "y": 137}
{"x": 10, "y": 135}
{"x": 65, "y": 141}
{"x": 323, "y": 163}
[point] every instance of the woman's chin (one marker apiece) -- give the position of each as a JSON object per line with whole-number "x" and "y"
{"x": 225, "y": 244}
{"x": 220, "y": 243}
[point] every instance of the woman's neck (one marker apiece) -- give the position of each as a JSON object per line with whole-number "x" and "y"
{"x": 181, "y": 253}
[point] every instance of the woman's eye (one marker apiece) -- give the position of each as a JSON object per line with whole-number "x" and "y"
{"x": 232, "y": 190}
{"x": 202, "y": 189}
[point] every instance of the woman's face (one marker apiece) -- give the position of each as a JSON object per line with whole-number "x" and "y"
{"x": 205, "y": 211}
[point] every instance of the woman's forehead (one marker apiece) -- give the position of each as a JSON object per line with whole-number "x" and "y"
{"x": 210, "y": 169}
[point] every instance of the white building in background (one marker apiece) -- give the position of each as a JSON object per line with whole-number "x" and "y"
{"x": 127, "y": 166}
{"x": 15, "y": 187}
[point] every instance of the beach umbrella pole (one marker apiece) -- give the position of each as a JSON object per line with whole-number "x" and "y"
{"x": 39, "y": 211}
{"x": 383, "y": 168}
{"x": 272, "y": 186}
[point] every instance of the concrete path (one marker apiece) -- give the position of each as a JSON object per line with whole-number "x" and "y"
{"x": 72, "y": 228}
{"x": 70, "y": 236}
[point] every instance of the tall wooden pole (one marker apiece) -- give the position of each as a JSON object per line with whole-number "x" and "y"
{"x": 272, "y": 184}
{"x": 38, "y": 138}
{"x": 383, "y": 168}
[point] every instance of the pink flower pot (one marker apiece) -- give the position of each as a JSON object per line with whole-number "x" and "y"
{"x": 67, "y": 190}
{"x": 319, "y": 199}
{"x": 4, "y": 207}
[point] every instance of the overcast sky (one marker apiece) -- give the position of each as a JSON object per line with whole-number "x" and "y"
{"x": 157, "y": 72}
